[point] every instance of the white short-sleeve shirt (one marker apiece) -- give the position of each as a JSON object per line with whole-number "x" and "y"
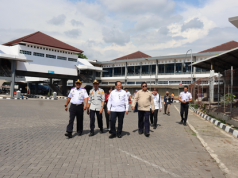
{"x": 77, "y": 95}
{"x": 185, "y": 96}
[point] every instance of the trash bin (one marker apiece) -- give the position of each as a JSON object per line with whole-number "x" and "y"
{"x": 18, "y": 94}
{"x": 54, "y": 95}
{"x": 21, "y": 96}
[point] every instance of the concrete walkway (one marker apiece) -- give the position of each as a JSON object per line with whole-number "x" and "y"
{"x": 32, "y": 144}
{"x": 222, "y": 146}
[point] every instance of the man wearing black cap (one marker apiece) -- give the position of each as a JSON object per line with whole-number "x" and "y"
{"x": 76, "y": 98}
{"x": 95, "y": 105}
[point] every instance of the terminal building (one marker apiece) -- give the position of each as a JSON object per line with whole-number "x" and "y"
{"x": 40, "y": 59}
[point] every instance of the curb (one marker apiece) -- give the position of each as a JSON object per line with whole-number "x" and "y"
{"x": 7, "y": 98}
{"x": 224, "y": 127}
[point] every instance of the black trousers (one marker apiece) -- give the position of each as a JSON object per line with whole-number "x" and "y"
{"x": 114, "y": 116}
{"x": 184, "y": 109}
{"x": 92, "y": 120}
{"x": 143, "y": 121}
{"x": 153, "y": 117}
{"x": 78, "y": 112}
{"x": 107, "y": 116}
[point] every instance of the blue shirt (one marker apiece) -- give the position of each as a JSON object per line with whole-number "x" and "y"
{"x": 77, "y": 95}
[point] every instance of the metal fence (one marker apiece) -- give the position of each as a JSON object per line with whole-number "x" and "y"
{"x": 217, "y": 94}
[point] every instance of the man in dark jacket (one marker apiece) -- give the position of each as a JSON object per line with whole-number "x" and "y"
{"x": 167, "y": 103}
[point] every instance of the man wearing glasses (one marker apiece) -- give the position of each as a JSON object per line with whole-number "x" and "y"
{"x": 117, "y": 106}
{"x": 76, "y": 98}
{"x": 145, "y": 101}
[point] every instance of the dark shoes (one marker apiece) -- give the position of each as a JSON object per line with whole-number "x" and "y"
{"x": 164, "y": 113}
{"x": 80, "y": 133}
{"x": 110, "y": 131}
{"x": 181, "y": 122}
{"x": 101, "y": 131}
{"x": 119, "y": 135}
{"x": 91, "y": 134}
{"x": 154, "y": 127}
{"x": 185, "y": 124}
{"x": 68, "y": 134}
{"x": 147, "y": 134}
{"x": 140, "y": 132}
{"x": 112, "y": 136}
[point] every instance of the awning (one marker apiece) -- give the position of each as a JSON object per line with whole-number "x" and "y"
{"x": 220, "y": 62}
{"x": 14, "y": 58}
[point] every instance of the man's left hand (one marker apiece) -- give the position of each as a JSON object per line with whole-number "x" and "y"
{"x": 126, "y": 112}
{"x": 152, "y": 111}
{"x": 101, "y": 110}
{"x": 160, "y": 109}
{"x": 85, "y": 107}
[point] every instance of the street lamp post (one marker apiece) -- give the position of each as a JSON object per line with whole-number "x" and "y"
{"x": 191, "y": 64}
{"x": 150, "y": 73}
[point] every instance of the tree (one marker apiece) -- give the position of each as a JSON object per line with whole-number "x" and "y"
{"x": 81, "y": 55}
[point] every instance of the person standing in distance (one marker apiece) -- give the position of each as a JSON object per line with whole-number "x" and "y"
{"x": 172, "y": 97}
{"x": 185, "y": 98}
{"x": 128, "y": 94}
{"x": 158, "y": 105}
{"x": 145, "y": 101}
{"x": 117, "y": 106}
{"x": 167, "y": 103}
{"x": 95, "y": 105}
{"x": 76, "y": 98}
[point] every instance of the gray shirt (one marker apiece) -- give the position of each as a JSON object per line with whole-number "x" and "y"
{"x": 96, "y": 98}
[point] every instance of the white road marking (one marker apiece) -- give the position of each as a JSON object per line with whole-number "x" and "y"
{"x": 151, "y": 164}
{"x": 209, "y": 150}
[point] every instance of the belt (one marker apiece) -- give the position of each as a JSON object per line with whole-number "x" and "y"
{"x": 76, "y": 104}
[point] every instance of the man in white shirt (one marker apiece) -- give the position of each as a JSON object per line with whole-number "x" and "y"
{"x": 185, "y": 97}
{"x": 76, "y": 98}
{"x": 158, "y": 105}
{"x": 117, "y": 106}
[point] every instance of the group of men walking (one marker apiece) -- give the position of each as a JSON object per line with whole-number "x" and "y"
{"x": 116, "y": 104}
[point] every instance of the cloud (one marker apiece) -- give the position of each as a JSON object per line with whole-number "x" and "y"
{"x": 115, "y": 36}
{"x": 59, "y": 20}
{"x": 76, "y": 23}
{"x": 74, "y": 33}
{"x": 194, "y": 23}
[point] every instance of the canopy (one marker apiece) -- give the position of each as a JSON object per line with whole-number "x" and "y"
{"x": 220, "y": 62}
{"x": 84, "y": 64}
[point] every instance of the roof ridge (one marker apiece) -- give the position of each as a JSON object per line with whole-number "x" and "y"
{"x": 25, "y": 37}
{"x": 223, "y": 44}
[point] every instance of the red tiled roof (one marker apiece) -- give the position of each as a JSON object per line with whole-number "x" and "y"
{"x": 223, "y": 47}
{"x": 45, "y": 40}
{"x": 135, "y": 55}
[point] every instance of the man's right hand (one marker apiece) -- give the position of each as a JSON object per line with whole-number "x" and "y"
{"x": 66, "y": 108}
{"x": 133, "y": 108}
{"x": 108, "y": 112}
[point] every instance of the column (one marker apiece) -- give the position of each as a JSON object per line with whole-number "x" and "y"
{"x": 13, "y": 72}
{"x": 50, "y": 87}
{"x": 140, "y": 69}
{"x": 156, "y": 72}
{"x": 36, "y": 88}
{"x": 211, "y": 87}
{"x": 113, "y": 70}
{"x": 126, "y": 74}
{"x": 174, "y": 66}
{"x": 64, "y": 86}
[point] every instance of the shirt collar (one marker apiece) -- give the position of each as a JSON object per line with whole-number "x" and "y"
{"x": 118, "y": 90}
{"x": 77, "y": 88}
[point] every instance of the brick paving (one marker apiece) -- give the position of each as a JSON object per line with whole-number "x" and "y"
{"x": 32, "y": 144}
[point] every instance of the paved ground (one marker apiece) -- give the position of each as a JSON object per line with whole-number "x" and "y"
{"x": 32, "y": 144}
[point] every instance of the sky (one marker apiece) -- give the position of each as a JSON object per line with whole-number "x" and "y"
{"x": 106, "y": 29}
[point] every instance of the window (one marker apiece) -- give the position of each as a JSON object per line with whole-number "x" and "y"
{"x": 131, "y": 70}
{"x": 105, "y": 83}
{"x": 98, "y": 74}
{"x": 169, "y": 68}
{"x": 187, "y": 68}
{"x": 153, "y": 69}
{"x": 146, "y": 69}
{"x": 25, "y": 52}
{"x": 117, "y": 71}
{"x": 37, "y": 47}
{"x": 161, "y": 68}
{"x": 174, "y": 82}
{"x": 61, "y": 58}
{"x": 108, "y": 73}
{"x": 38, "y": 54}
{"x": 204, "y": 70}
{"x": 186, "y": 82}
{"x": 51, "y": 56}
{"x": 123, "y": 71}
{"x": 72, "y": 59}
{"x": 137, "y": 69}
{"x": 131, "y": 83}
{"x": 138, "y": 83}
{"x": 178, "y": 67}
{"x": 163, "y": 82}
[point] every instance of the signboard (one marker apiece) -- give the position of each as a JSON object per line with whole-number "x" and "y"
{"x": 51, "y": 72}
{"x": 180, "y": 84}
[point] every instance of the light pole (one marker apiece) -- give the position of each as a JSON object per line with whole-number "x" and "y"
{"x": 150, "y": 74}
{"x": 191, "y": 64}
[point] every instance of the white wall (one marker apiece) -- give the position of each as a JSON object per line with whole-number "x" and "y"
{"x": 43, "y": 64}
